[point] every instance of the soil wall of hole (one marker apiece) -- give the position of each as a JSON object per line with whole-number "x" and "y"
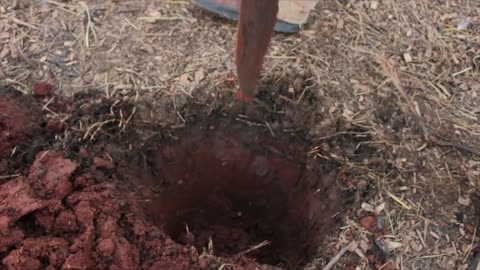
{"x": 230, "y": 187}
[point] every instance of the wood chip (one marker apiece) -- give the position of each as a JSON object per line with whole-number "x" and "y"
{"x": 340, "y": 24}
{"x": 465, "y": 201}
{"x": 199, "y": 75}
{"x": 4, "y": 52}
{"x": 380, "y": 208}
{"x": 393, "y": 245}
{"x": 374, "y": 5}
{"x": 368, "y": 207}
{"x": 407, "y": 57}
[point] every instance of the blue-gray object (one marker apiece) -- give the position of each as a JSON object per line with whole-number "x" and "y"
{"x": 280, "y": 25}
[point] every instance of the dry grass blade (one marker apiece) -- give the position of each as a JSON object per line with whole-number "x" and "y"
{"x": 255, "y": 247}
{"x": 352, "y": 246}
{"x": 392, "y": 74}
{"x": 3, "y": 177}
{"x": 89, "y": 28}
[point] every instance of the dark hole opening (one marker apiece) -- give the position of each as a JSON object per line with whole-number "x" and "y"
{"x": 234, "y": 191}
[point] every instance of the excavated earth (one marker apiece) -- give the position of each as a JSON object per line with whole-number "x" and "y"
{"x": 215, "y": 194}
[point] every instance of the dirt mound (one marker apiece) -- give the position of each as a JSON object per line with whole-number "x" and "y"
{"x": 95, "y": 226}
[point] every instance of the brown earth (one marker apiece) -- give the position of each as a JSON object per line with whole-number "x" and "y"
{"x": 218, "y": 188}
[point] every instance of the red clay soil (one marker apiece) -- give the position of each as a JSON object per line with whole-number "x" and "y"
{"x": 75, "y": 213}
{"x": 92, "y": 228}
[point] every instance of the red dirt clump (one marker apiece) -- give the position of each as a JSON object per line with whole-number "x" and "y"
{"x": 42, "y": 89}
{"x": 51, "y": 249}
{"x": 99, "y": 225}
{"x": 16, "y": 201}
{"x": 369, "y": 223}
{"x": 50, "y": 175}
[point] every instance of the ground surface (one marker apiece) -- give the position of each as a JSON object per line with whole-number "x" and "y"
{"x": 386, "y": 91}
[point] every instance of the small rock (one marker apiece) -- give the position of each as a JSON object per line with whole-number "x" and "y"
{"x": 374, "y": 5}
{"x": 184, "y": 79}
{"x": 42, "y": 89}
{"x": 369, "y": 223}
{"x": 79, "y": 260}
{"x": 83, "y": 152}
{"x": 102, "y": 163}
{"x": 380, "y": 224}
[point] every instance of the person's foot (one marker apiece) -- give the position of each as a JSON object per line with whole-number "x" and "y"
{"x": 230, "y": 9}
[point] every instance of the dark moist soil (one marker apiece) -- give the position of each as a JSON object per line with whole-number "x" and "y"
{"x": 157, "y": 198}
{"x": 20, "y": 127}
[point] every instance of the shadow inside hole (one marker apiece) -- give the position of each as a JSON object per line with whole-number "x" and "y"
{"x": 235, "y": 190}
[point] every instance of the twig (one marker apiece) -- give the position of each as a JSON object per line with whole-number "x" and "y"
{"x": 339, "y": 255}
{"x": 20, "y": 22}
{"x": 3, "y": 177}
{"x": 471, "y": 245}
{"x": 467, "y": 148}
{"x": 97, "y": 125}
{"x": 255, "y": 247}
{"x": 398, "y": 200}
